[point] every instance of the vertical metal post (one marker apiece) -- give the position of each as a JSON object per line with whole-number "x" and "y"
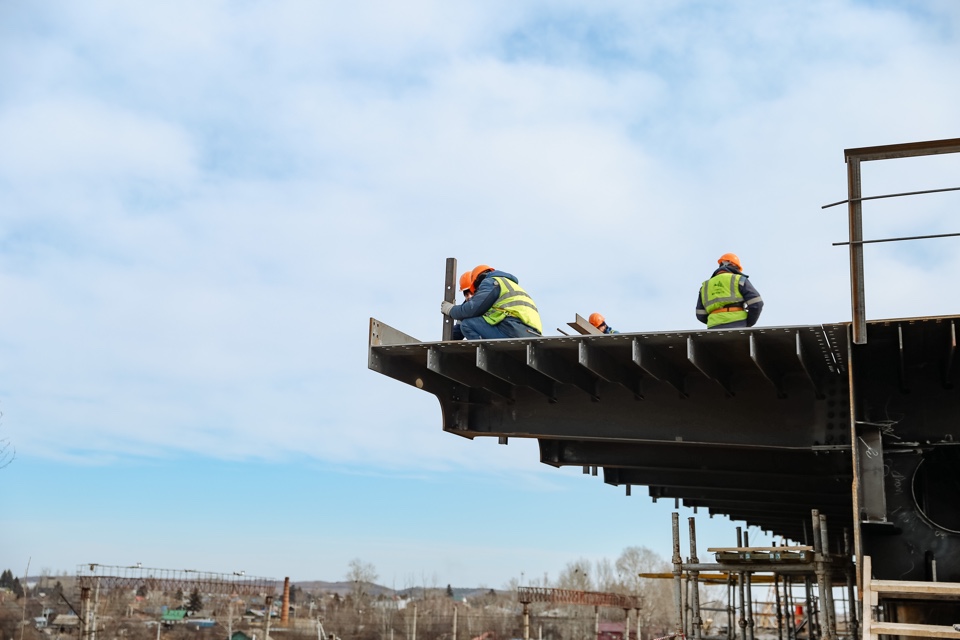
{"x": 696, "y": 621}
{"x": 731, "y": 605}
{"x": 454, "y": 622}
{"x": 677, "y": 573}
{"x": 791, "y": 617}
{"x": 776, "y": 596}
{"x": 749, "y": 578}
{"x": 855, "y": 221}
{"x": 626, "y": 624}
{"x": 822, "y": 577}
{"x": 413, "y": 635}
{"x": 828, "y": 606}
{"x": 596, "y": 622}
{"x": 526, "y": 621}
{"x": 450, "y": 295}
{"x": 856, "y": 488}
{"x": 742, "y": 621}
{"x": 811, "y": 625}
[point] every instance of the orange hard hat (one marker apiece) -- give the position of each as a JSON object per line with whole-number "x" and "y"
{"x": 596, "y": 320}
{"x": 732, "y": 258}
{"x": 477, "y": 270}
{"x": 465, "y": 281}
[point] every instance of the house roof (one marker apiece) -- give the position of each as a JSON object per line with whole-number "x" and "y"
{"x": 66, "y": 620}
{"x": 174, "y": 615}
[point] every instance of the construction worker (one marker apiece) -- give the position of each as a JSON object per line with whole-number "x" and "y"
{"x": 728, "y": 300}
{"x": 497, "y": 308}
{"x": 600, "y": 323}
{"x": 465, "y": 281}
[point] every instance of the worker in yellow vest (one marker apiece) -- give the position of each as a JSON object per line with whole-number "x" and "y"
{"x": 497, "y": 308}
{"x": 728, "y": 299}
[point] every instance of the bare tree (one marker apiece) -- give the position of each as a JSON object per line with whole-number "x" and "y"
{"x": 636, "y": 560}
{"x": 607, "y": 579}
{"x": 655, "y": 594}
{"x": 361, "y": 575}
{"x": 7, "y": 451}
{"x": 576, "y": 575}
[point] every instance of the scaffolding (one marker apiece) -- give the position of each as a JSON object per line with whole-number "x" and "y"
{"x": 811, "y": 566}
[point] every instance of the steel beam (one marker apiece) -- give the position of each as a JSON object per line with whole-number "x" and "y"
{"x": 463, "y": 371}
{"x": 705, "y": 478}
{"x": 753, "y": 424}
{"x": 604, "y": 366}
{"x": 656, "y": 366}
{"x": 516, "y": 373}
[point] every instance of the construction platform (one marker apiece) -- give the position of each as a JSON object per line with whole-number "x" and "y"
{"x": 755, "y": 424}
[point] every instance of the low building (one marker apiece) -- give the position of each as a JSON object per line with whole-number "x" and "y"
{"x": 65, "y": 623}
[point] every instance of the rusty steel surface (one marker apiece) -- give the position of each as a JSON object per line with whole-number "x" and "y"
{"x": 751, "y": 423}
{"x": 132, "y": 577}
{"x": 527, "y": 595}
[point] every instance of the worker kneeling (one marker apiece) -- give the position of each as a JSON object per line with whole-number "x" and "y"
{"x": 497, "y": 308}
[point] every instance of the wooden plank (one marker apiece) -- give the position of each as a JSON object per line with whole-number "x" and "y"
{"x": 872, "y": 590}
{"x": 797, "y": 548}
{"x": 916, "y": 589}
{"x": 869, "y": 600}
{"x": 912, "y": 630}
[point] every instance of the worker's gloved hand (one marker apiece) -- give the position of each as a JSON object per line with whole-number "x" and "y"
{"x": 445, "y": 307}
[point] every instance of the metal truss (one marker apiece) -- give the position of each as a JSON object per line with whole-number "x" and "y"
{"x": 526, "y": 595}
{"x": 133, "y": 577}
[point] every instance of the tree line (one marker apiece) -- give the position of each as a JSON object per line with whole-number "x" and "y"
{"x": 370, "y": 612}
{"x": 361, "y": 615}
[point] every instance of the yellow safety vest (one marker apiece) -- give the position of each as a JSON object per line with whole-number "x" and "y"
{"x": 722, "y": 290}
{"x": 513, "y": 301}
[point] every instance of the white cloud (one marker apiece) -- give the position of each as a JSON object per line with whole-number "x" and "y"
{"x": 207, "y": 203}
{"x": 80, "y": 140}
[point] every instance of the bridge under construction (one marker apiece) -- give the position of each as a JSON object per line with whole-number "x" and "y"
{"x": 857, "y": 421}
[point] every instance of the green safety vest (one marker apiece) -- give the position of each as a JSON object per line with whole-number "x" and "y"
{"x": 722, "y": 290}
{"x": 516, "y": 302}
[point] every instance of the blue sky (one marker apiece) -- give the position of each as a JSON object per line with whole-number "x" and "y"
{"x": 204, "y": 203}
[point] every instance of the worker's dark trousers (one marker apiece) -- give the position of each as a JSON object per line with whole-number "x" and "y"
{"x": 478, "y": 329}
